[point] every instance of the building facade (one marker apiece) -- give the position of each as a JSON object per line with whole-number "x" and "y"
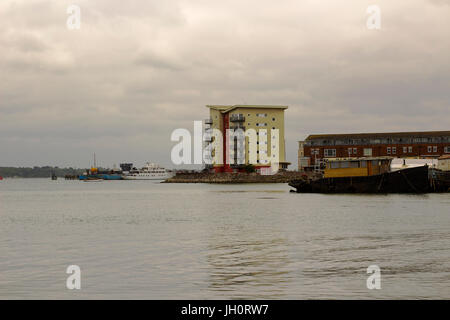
{"x": 263, "y": 119}
{"x": 431, "y": 144}
{"x": 303, "y": 160}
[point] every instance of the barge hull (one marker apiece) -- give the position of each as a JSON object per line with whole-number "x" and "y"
{"x": 412, "y": 180}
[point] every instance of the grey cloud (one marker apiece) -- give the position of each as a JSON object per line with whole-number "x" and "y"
{"x": 137, "y": 70}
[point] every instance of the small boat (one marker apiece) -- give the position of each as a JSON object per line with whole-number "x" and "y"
{"x": 95, "y": 174}
{"x": 373, "y": 175}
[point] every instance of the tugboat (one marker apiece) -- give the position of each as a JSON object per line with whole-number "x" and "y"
{"x": 373, "y": 175}
{"x": 94, "y": 174}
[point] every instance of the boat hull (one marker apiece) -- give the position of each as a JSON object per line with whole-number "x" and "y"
{"x": 105, "y": 176}
{"x": 148, "y": 177}
{"x": 412, "y": 180}
{"x": 102, "y": 176}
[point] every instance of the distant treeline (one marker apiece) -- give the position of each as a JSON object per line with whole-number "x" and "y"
{"x": 38, "y": 172}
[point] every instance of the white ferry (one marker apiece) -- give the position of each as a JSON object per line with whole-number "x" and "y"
{"x": 150, "y": 171}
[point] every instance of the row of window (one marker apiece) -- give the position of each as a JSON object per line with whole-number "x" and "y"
{"x": 353, "y": 164}
{"x": 262, "y": 125}
{"x": 393, "y": 150}
{"x": 404, "y": 140}
{"x": 260, "y": 115}
{"x": 368, "y": 151}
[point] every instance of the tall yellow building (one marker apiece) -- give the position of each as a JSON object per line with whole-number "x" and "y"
{"x": 247, "y": 117}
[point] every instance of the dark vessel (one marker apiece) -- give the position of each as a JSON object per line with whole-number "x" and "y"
{"x": 411, "y": 180}
{"x": 54, "y": 176}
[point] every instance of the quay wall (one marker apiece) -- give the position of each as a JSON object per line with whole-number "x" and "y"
{"x": 230, "y": 178}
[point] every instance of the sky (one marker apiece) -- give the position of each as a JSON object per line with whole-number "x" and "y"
{"x": 137, "y": 70}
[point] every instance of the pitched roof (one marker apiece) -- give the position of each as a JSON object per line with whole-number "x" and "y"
{"x": 225, "y": 109}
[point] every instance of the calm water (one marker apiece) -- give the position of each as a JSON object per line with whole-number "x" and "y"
{"x": 146, "y": 240}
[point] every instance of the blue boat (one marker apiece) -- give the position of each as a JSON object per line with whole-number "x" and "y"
{"x": 94, "y": 174}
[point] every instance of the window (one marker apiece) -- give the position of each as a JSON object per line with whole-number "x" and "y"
{"x": 434, "y": 148}
{"x": 273, "y": 119}
{"x": 447, "y": 149}
{"x": 388, "y": 150}
{"x": 429, "y": 149}
{"x": 405, "y": 150}
{"x": 410, "y": 149}
{"x": 354, "y": 164}
{"x": 355, "y": 150}
{"x": 334, "y": 165}
{"x": 349, "y": 151}
{"x": 367, "y": 152}
{"x": 261, "y": 124}
{"x": 330, "y": 152}
{"x": 261, "y": 115}
{"x": 394, "y": 150}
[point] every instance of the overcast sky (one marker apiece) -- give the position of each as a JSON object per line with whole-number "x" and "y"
{"x": 137, "y": 70}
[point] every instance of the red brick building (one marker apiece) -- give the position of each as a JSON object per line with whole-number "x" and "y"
{"x": 431, "y": 144}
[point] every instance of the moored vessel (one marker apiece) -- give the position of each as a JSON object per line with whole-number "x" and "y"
{"x": 94, "y": 173}
{"x": 373, "y": 175}
{"x": 150, "y": 171}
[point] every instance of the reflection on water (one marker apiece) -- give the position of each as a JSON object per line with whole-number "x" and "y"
{"x": 248, "y": 267}
{"x": 138, "y": 240}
